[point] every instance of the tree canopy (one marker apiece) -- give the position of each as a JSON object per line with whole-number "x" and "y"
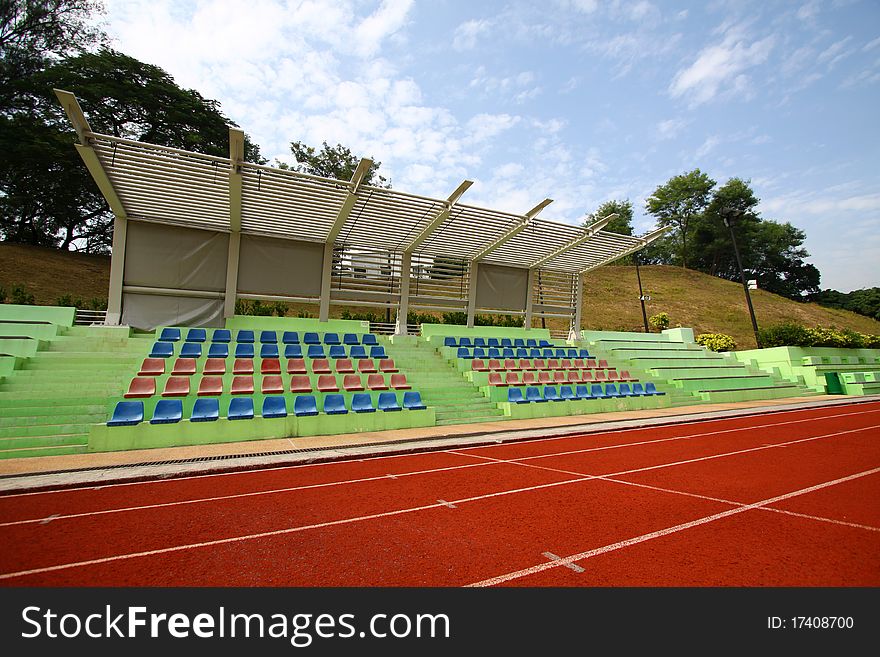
{"x": 680, "y": 202}
{"x": 332, "y": 162}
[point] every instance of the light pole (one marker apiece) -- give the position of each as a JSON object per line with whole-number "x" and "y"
{"x": 728, "y": 221}
{"x": 642, "y": 297}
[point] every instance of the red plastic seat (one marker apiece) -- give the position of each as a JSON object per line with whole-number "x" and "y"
{"x": 366, "y": 366}
{"x": 387, "y": 365}
{"x": 184, "y": 367}
{"x": 510, "y": 364}
{"x": 552, "y": 364}
{"x": 300, "y": 383}
{"x": 152, "y": 367}
{"x": 579, "y": 364}
{"x": 495, "y": 379}
{"x": 544, "y": 377}
{"x": 376, "y": 382}
{"x": 559, "y": 376}
{"x": 296, "y": 366}
{"x": 626, "y": 376}
{"x": 327, "y": 383}
{"x": 321, "y": 366}
{"x": 591, "y": 363}
{"x": 215, "y": 366}
{"x": 565, "y": 364}
{"x": 613, "y": 375}
{"x": 587, "y": 376}
{"x": 525, "y": 364}
{"x": 398, "y": 382}
{"x": 352, "y": 382}
{"x": 477, "y": 365}
{"x": 494, "y": 364}
{"x": 211, "y": 386}
{"x": 272, "y": 385}
{"x": 600, "y": 375}
{"x": 344, "y": 366}
{"x": 270, "y": 366}
{"x": 176, "y": 386}
{"x": 603, "y": 364}
{"x": 141, "y": 387}
{"x": 243, "y": 385}
{"x": 512, "y": 379}
{"x": 243, "y": 366}
{"x": 529, "y": 378}
{"x": 540, "y": 364}
{"x": 573, "y": 376}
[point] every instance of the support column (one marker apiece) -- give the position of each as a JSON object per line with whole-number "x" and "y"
{"x": 472, "y": 293}
{"x": 232, "y": 275}
{"x": 117, "y": 269}
{"x": 527, "y": 322}
{"x": 326, "y": 282}
{"x": 403, "y": 305}
{"x": 574, "y": 332}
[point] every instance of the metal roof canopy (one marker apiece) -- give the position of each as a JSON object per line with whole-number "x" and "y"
{"x": 169, "y": 185}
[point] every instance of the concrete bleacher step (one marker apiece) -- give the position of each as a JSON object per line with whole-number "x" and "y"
{"x": 48, "y": 450}
{"x": 52, "y": 420}
{"x": 43, "y": 431}
{"x": 16, "y": 411}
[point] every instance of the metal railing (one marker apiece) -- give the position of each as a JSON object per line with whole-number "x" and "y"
{"x": 88, "y": 317}
{"x": 386, "y": 328}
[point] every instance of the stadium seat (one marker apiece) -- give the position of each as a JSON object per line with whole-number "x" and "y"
{"x": 579, "y": 364}
{"x": 603, "y": 364}
{"x": 205, "y": 410}
{"x": 184, "y": 367}
{"x": 495, "y": 379}
{"x": 388, "y": 402}
{"x": 597, "y": 392}
{"x": 350, "y": 339}
{"x": 377, "y": 351}
{"x": 293, "y": 351}
{"x": 398, "y": 382}
{"x": 533, "y": 394}
{"x": 290, "y": 337}
{"x": 300, "y": 383}
{"x": 245, "y": 336}
{"x": 327, "y": 383}
{"x": 449, "y": 342}
{"x": 525, "y": 364}
{"x": 591, "y": 364}
{"x": 507, "y": 352}
{"x": 566, "y": 393}
{"x": 479, "y": 352}
{"x": 493, "y": 342}
{"x": 572, "y": 376}
{"x": 534, "y": 353}
{"x": 544, "y": 343}
{"x": 601, "y": 376}
{"x": 352, "y": 382}
{"x": 540, "y": 364}
{"x": 358, "y": 352}
{"x": 529, "y": 378}
{"x": 270, "y": 366}
{"x": 583, "y": 353}
{"x": 321, "y": 366}
{"x": 479, "y": 365}
{"x": 221, "y": 335}
{"x": 218, "y": 350}
{"x": 167, "y": 411}
{"x": 141, "y": 386}
{"x": 638, "y": 390}
{"x": 296, "y": 366}
{"x": 305, "y": 405}
{"x": 587, "y": 376}
{"x": 311, "y": 338}
{"x": 494, "y": 353}
{"x": 331, "y": 339}
{"x": 169, "y": 335}
{"x": 464, "y": 342}
{"x": 626, "y": 376}
{"x": 560, "y": 353}
{"x": 191, "y": 350}
{"x": 559, "y": 377}
{"x": 412, "y": 401}
{"x": 369, "y": 339}
{"x": 387, "y": 365}
{"x": 613, "y": 375}
{"x": 510, "y": 364}
{"x": 651, "y": 389}
{"x": 361, "y": 402}
{"x": 241, "y": 408}
{"x": 366, "y": 365}
{"x": 506, "y": 342}
{"x": 242, "y": 385}
{"x": 531, "y": 342}
{"x": 211, "y": 386}
{"x": 521, "y": 353}
{"x": 268, "y": 337}
{"x": 571, "y": 353}
{"x": 624, "y": 390}
{"x": 244, "y": 350}
{"x": 519, "y": 342}
{"x": 335, "y": 405}
{"x": 243, "y": 366}
{"x": 196, "y": 335}
{"x": 152, "y": 367}
{"x": 547, "y": 353}
{"x": 551, "y": 394}
{"x": 512, "y": 379}
{"x": 515, "y": 396}
{"x": 274, "y": 407}
{"x": 272, "y": 385}
{"x": 269, "y": 351}
{"x": 337, "y": 351}
{"x": 611, "y": 390}
{"x": 127, "y": 414}
{"x": 480, "y": 342}
{"x": 565, "y": 364}
{"x": 344, "y": 366}
{"x": 162, "y": 350}
{"x": 376, "y": 382}
{"x": 545, "y": 377}
{"x": 316, "y": 351}
{"x": 463, "y": 352}
{"x": 552, "y": 364}
{"x": 176, "y": 386}
{"x": 494, "y": 365}
{"x": 583, "y": 392}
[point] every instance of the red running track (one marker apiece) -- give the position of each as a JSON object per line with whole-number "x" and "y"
{"x": 781, "y": 499}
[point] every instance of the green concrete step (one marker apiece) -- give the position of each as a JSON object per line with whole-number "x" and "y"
{"x": 650, "y": 363}
{"x": 470, "y": 420}
{"x": 51, "y": 420}
{"x": 56, "y": 450}
{"x": 10, "y": 400}
{"x": 726, "y": 383}
{"x": 44, "y": 430}
{"x": 17, "y": 411}
{"x": 754, "y": 394}
{"x": 705, "y": 371}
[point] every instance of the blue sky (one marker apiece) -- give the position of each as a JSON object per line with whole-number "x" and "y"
{"x": 580, "y": 101}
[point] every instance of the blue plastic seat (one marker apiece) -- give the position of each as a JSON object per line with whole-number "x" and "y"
{"x": 533, "y": 394}
{"x": 583, "y": 392}
{"x": 369, "y": 339}
{"x": 624, "y": 390}
{"x": 479, "y": 352}
{"x": 515, "y": 396}
{"x": 196, "y": 335}
{"x": 522, "y": 352}
{"x": 293, "y": 351}
{"x": 127, "y": 414}
{"x": 167, "y": 411}
{"x": 221, "y": 335}
{"x": 506, "y": 342}
{"x": 268, "y": 337}
{"x": 638, "y": 389}
{"x": 377, "y": 351}
{"x": 311, "y": 338}
{"x": 206, "y": 409}
{"x": 572, "y": 353}
{"x": 350, "y": 339}
{"x": 651, "y": 389}
{"x": 305, "y": 405}
{"x": 218, "y": 350}
{"x": 290, "y": 337}
{"x": 494, "y": 352}
{"x": 464, "y": 352}
{"x": 597, "y": 392}
{"x": 269, "y": 351}
{"x": 479, "y": 342}
{"x": 493, "y": 342}
{"x": 241, "y": 408}
{"x": 507, "y": 352}
{"x": 337, "y": 351}
{"x": 388, "y": 402}
{"x": 191, "y": 350}
{"x": 245, "y": 335}
{"x": 244, "y": 350}
{"x": 551, "y": 394}
{"x": 316, "y": 351}
{"x": 170, "y": 335}
{"x": 611, "y": 390}
{"x": 335, "y": 405}
{"x": 544, "y": 343}
{"x": 531, "y": 342}
{"x": 560, "y": 353}
{"x": 547, "y": 353}
{"x": 413, "y": 401}
{"x": 519, "y": 342}
{"x": 583, "y": 353}
{"x": 361, "y": 402}
{"x": 274, "y": 406}
{"x": 162, "y": 350}
{"x": 358, "y": 351}
{"x": 566, "y": 393}
{"x": 464, "y": 342}
{"x": 331, "y": 338}
{"x": 450, "y": 342}
{"x": 534, "y": 353}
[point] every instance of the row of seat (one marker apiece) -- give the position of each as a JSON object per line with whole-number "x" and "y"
{"x": 495, "y": 342}
{"x": 520, "y": 352}
{"x": 567, "y": 393}
{"x": 170, "y": 411}
{"x": 496, "y": 365}
{"x": 266, "y": 337}
{"x": 544, "y": 377}
{"x": 246, "y": 350}
{"x": 189, "y": 366}
{"x": 209, "y": 385}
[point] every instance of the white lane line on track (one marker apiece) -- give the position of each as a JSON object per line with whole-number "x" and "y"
{"x": 449, "y": 504}
{"x": 556, "y": 557}
{"x": 572, "y": 559}
{"x": 332, "y": 523}
{"x": 261, "y": 471}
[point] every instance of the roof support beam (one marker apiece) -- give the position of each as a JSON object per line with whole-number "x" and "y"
{"x": 440, "y": 217}
{"x": 403, "y": 303}
{"x": 236, "y": 157}
{"x": 472, "y": 292}
{"x": 513, "y": 232}
{"x": 357, "y": 179}
{"x": 574, "y": 331}
{"x": 527, "y": 320}
{"x": 644, "y": 241}
{"x": 589, "y": 232}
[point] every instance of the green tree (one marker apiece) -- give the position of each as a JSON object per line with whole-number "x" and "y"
{"x": 333, "y": 162}
{"x": 622, "y": 223}
{"x": 864, "y": 302}
{"x": 679, "y": 203}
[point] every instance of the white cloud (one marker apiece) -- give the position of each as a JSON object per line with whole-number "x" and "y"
{"x": 808, "y": 11}
{"x": 467, "y": 34}
{"x": 708, "y": 146}
{"x": 484, "y": 126}
{"x": 670, "y": 128}
{"x": 835, "y": 52}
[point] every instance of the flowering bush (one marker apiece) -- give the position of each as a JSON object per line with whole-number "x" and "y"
{"x": 716, "y": 341}
{"x": 659, "y": 321}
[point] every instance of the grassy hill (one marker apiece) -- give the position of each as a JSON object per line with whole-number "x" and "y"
{"x": 611, "y": 302}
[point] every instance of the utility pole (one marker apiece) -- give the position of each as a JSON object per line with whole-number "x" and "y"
{"x": 642, "y": 297}
{"x": 726, "y": 216}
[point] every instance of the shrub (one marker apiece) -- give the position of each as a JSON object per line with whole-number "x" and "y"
{"x": 660, "y": 321}
{"x": 871, "y": 341}
{"x": 2, "y": 294}
{"x": 787, "y": 334}
{"x": 21, "y": 296}
{"x": 790, "y": 334}
{"x": 716, "y": 341}
{"x": 279, "y": 308}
